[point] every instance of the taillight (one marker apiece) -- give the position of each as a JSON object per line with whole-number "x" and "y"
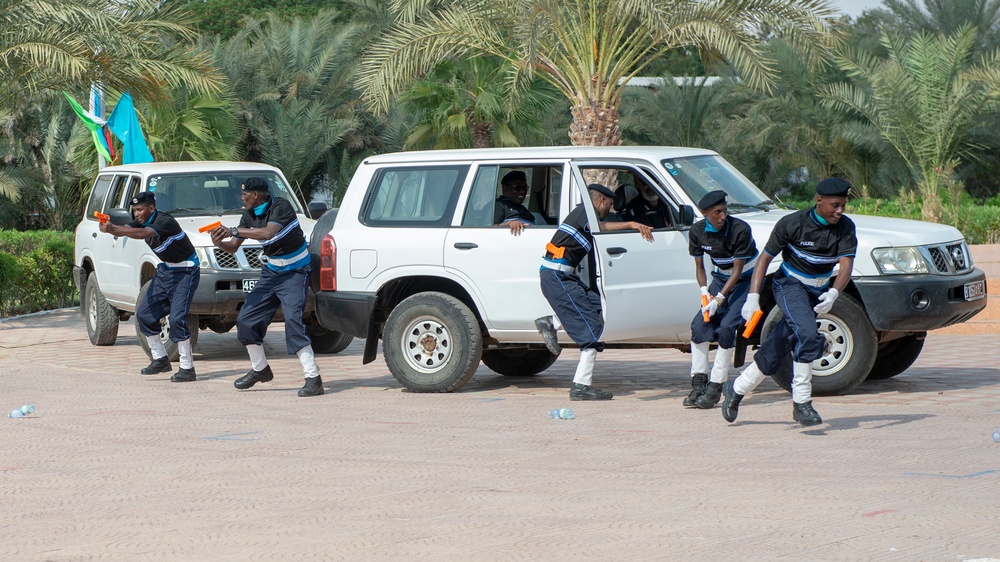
{"x": 328, "y": 264}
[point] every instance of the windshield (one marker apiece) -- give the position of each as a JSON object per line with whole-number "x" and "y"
{"x": 211, "y": 193}
{"x": 697, "y": 175}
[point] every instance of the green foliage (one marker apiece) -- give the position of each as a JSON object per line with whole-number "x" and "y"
{"x": 36, "y": 271}
{"x": 225, "y": 17}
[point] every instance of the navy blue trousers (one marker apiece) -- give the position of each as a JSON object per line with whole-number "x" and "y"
{"x": 169, "y": 292}
{"x": 796, "y": 332}
{"x": 727, "y": 321}
{"x": 284, "y": 288}
{"x": 577, "y": 306}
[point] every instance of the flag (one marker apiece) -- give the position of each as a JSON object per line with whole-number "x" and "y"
{"x": 124, "y": 124}
{"x": 97, "y": 109}
{"x": 93, "y": 124}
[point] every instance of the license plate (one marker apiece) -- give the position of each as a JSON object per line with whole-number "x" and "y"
{"x": 975, "y": 290}
{"x": 249, "y": 284}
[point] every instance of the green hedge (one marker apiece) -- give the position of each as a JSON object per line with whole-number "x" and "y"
{"x": 36, "y": 271}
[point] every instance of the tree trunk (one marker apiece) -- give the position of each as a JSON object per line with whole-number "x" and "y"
{"x": 594, "y": 125}
{"x": 482, "y": 134}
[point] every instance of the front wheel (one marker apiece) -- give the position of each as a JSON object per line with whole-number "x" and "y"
{"x": 896, "y": 356}
{"x": 519, "y": 362}
{"x": 172, "y": 352}
{"x": 432, "y": 343}
{"x": 102, "y": 318}
{"x": 848, "y": 354}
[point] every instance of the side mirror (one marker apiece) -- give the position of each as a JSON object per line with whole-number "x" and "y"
{"x": 317, "y": 208}
{"x": 119, "y": 217}
{"x": 686, "y": 215}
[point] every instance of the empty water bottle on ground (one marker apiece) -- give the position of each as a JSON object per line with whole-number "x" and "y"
{"x": 25, "y": 410}
{"x": 561, "y": 414}
{"x": 996, "y": 435}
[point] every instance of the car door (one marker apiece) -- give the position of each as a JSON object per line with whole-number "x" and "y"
{"x": 649, "y": 292}
{"x": 500, "y": 268}
{"x": 122, "y": 263}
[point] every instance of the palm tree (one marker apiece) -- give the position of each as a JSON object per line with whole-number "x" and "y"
{"x": 947, "y": 17}
{"x": 587, "y": 49}
{"x": 191, "y": 126}
{"x": 923, "y": 100}
{"x": 688, "y": 113}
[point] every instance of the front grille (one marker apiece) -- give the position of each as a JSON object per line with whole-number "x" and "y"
{"x": 253, "y": 256}
{"x": 225, "y": 260}
{"x": 949, "y": 259}
{"x": 243, "y": 259}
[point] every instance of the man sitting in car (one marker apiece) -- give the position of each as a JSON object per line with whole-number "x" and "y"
{"x": 509, "y": 209}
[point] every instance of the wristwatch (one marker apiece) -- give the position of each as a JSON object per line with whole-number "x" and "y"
{"x": 234, "y": 231}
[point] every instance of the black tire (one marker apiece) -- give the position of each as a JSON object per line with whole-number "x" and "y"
{"x": 101, "y": 317}
{"x": 171, "y": 347}
{"x": 848, "y": 355}
{"x": 896, "y": 356}
{"x": 432, "y": 343}
{"x": 327, "y": 341}
{"x": 518, "y": 362}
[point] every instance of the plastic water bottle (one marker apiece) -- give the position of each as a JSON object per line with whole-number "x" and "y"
{"x": 25, "y": 410}
{"x": 561, "y": 414}
{"x": 996, "y": 435}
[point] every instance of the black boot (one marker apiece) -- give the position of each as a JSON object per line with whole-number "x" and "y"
{"x": 548, "y": 331}
{"x": 313, "y": 387}
{"x": 586, "y": 392}
{"x": 711, "y": 396}
{"x": 161, "y": 365}
{"x": 805, "y": 414}
{"x": 731, "y": 405}
{"x": 698, "y": 381}
{"x": 184, "y": 375}
{"x": 254, "y": 377}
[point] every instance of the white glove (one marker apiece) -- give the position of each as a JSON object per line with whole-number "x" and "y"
{"x": 826, "y": 301}
{"x": 714, "y": 304}
{"x": 752, "y": 305}
{"x": 704, "y": 292}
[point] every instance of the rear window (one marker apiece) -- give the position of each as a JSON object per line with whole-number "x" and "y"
{"x": 414, "y": 196}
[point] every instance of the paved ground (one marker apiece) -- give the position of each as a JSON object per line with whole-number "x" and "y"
{"x": 118, "y": 466}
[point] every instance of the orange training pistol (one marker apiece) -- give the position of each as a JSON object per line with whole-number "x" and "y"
{"x": 102, "y": 217}
{"x": 208, "y": 227}
{"x": 752, "y": 323}
{"x": 705, "y": 315}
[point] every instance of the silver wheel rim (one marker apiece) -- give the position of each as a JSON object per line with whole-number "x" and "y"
{"x": 838, "y": 348}
{"x": 92, "y": 312}
{"x": 427, "y": 345}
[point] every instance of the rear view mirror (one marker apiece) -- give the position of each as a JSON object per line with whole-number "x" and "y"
{"x": 686, "y": 215}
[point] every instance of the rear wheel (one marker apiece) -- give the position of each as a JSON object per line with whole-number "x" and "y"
{"x": 896, "y": 356}
{"x": 102, "y": 318}
{"x": 171, "y": 346}
{"x": 519, "y": 362}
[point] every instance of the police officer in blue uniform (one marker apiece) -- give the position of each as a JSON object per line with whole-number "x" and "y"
{"x": 729, "y": 243}
{"x": 812, "y": 242}
{"x": 284, "y": 278}
{"x": 510, "y": 210}
{"x": 577, "y": 305}
{"x": 171, "y": 288}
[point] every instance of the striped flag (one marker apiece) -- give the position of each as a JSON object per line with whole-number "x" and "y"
{"x": 93, "y": 124}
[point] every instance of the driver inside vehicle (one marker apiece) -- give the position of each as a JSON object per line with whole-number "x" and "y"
{"x": 648, "y": 208}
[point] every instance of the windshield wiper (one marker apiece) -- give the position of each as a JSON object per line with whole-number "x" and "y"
{"x": 763, "y": 205}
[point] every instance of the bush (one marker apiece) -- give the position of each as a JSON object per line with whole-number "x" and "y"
{"x": 36, "y": 271}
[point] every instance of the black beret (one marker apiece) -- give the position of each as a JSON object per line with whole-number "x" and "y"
{"x": 834, "y": 187}
{"x": 511, "y": 177}
{"x": 254, "y": 184}
{"x": 144, "y": 198}
{"x": 711, "y": 199}
{"x": 602, "y": 190}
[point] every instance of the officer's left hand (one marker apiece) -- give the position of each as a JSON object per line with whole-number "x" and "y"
{"x": 713, "y": 304}
{"x": 826, "y": 301}
{"x": 644, "y": 229}
{"x": 516, "y": 227}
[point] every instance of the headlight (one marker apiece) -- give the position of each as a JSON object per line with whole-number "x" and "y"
{"x": 899, "y": 260}
{"x": 202, "y": 254}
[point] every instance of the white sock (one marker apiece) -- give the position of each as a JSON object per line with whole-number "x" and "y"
{"x": 556, "y": 324}
{"x": 156, "y": 347}
{"x": 257, "y": 360}
{"x": 801, "y": 382}
{"x": 699, "y": 358}
{"x": 308, "y": 360}
{"x": 748, "y": 379}
{"x": 187, "y": 357}
{"x": 720, "y": 369}
{"x": 585, "y": 368}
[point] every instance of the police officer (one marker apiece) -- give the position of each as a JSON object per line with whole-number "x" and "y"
{"x": 811, "y": 242}
{"x": 729, "y": 243}
{"x": 171, "y": 288}
{"x": 577, "y": 306}
{"x": 510, "y": 210}
{"x": 647, "y": 208}
{"x": 283, "y": 281}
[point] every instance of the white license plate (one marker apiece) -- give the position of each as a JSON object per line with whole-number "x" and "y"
{"x": 975, "y": 290}
{"x": 249, "y": 284}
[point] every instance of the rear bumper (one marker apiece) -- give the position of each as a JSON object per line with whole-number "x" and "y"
{"x": 345, "y": 312}
{"x": 918, "y": 303}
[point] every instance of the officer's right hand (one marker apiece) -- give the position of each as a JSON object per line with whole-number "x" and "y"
{"x": 750, "y": 306}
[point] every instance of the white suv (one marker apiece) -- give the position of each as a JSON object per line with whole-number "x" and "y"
{"x": 112, "y": 273}
{"x": 412, "y": 259}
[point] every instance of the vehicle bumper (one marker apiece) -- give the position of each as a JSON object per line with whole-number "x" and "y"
{"x": 345, "y": 312}
{"x": 220, "y": 293}
{"x": 78, "y": 275}
{"x": 917, "y": 303}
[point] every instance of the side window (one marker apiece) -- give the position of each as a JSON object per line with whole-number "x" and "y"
{"x": 122, "y": 190}
{"x": 636, "y": 198}
{"x": 97, "y": 196}
{"x": 134, "y": 183}
{"x": 414, "y": 196}
{"x": 480, "y": 208}
{"x": 541, "y": 198}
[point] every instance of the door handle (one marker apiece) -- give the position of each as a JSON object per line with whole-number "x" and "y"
{"x": 465, "y": 245}
{"x": 616, "y": 250}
